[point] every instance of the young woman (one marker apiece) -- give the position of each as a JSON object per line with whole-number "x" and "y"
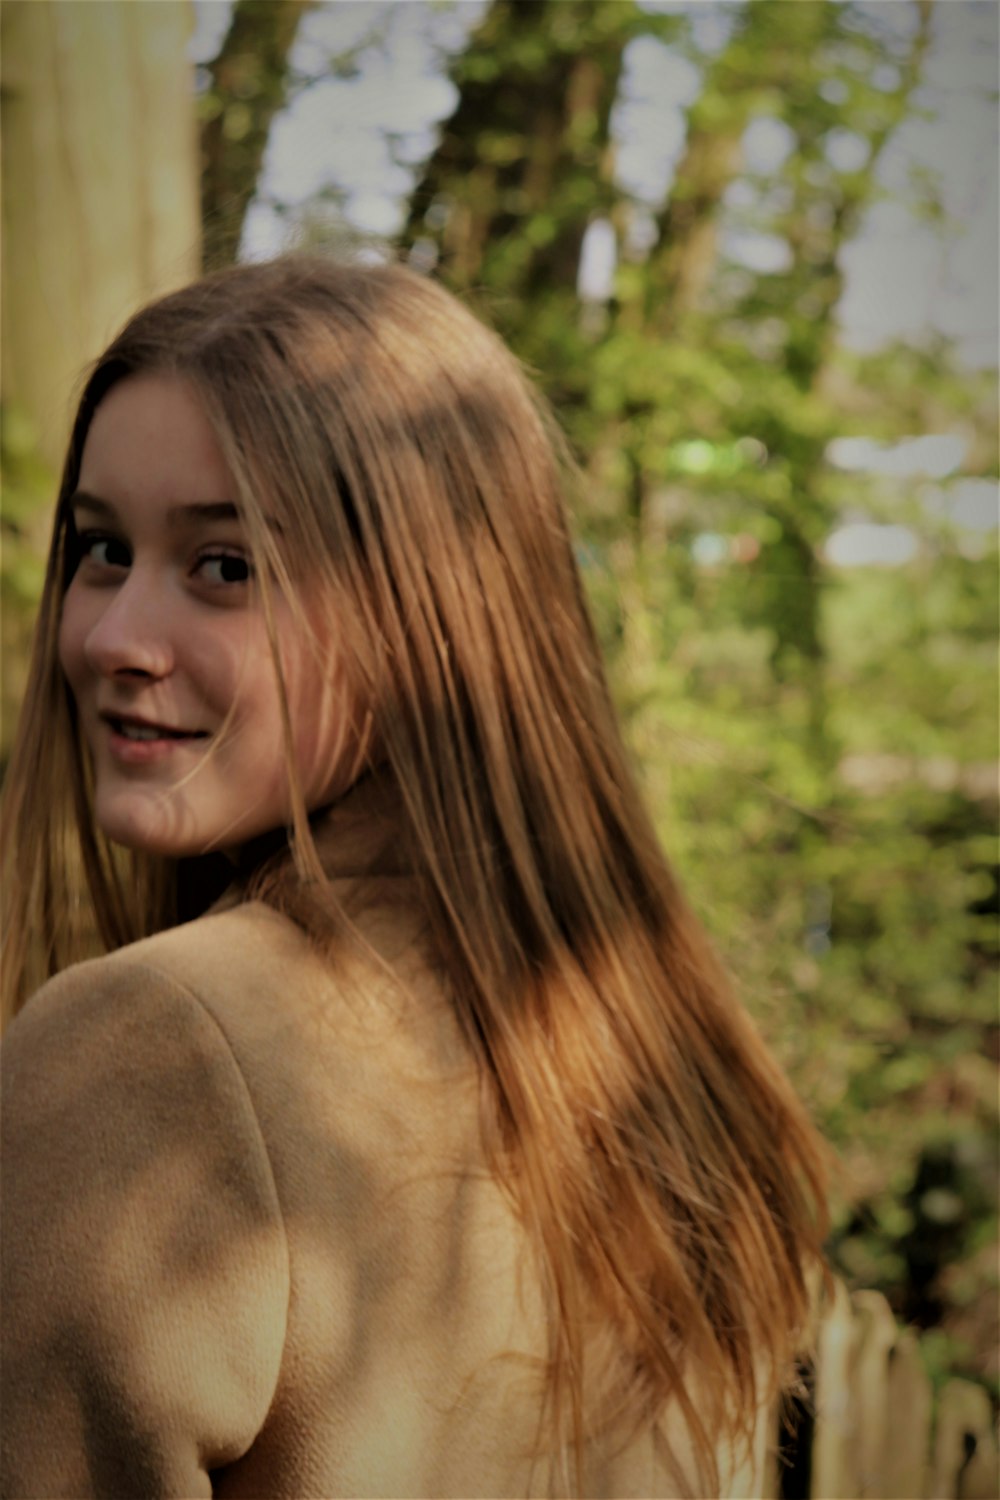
{"x": 407, "y": 1139}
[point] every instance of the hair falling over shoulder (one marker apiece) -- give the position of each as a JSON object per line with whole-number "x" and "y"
{"x": 669, "y": 1179}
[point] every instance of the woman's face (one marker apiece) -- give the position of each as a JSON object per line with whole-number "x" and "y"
{"x": 164, "y": 646}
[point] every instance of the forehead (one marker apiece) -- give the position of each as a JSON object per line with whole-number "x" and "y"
{"x": 149, "y": 439}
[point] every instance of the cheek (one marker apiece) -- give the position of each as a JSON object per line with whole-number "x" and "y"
{"x": 318, "y": 706}
{"x": 74, "y": 626}
{"x": 223, "y": 661}
{"x": 325, "y": 732}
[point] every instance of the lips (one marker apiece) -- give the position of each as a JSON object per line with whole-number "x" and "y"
{"x": 134, "y": 743}
{"x": 138, "y": 731}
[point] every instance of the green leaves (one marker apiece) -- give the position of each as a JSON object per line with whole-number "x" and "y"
{"x": 27, "y": 485}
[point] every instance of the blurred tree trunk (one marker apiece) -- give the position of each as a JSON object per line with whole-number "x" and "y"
{"x": 523, "y": 164}
{"x": 683, "y": 262}
{"x": 249, "y": 86}
{"x": 816, "y": 240}
{"x": 824, "y": 212}
{"x": 99, "y": 212}
{"x": 100, "y": 187}
{"x": 775, "y": 64}
{"x": 769, "y": 48}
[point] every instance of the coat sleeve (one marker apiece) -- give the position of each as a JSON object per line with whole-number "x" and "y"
{"x": 143, "y": 1258}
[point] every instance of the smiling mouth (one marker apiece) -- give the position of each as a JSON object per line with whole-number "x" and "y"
{"x": 130, "y": 730}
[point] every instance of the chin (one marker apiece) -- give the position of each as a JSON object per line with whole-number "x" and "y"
{"x": 148, "y": 830}
{"x": 127, "y": 836}
{"x": 151, "y": 826}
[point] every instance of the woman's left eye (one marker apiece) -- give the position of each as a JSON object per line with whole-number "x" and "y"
{"x": 224, "y": 568}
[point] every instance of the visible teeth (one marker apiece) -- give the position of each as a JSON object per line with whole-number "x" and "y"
{"x": 140, "y": 732}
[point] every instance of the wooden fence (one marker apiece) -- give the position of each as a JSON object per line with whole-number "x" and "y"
{"x": 873, "y": 1426}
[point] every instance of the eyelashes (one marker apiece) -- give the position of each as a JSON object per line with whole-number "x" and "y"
{"x": 217, "y": 567}
{"x": 100, "y": 548}
{"x": 225, "y": 568}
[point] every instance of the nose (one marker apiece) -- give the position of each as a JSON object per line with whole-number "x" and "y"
{"x": 132, "y": 635}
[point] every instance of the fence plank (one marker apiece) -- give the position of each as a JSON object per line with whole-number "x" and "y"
{"x": 766, "y": 1452}
{"x": 965, "y": 1446}
{"x": 875, "y": 1335}
{"x": 869, "y": 1437}
{"x": 908, "y": 1444}
{"x": 834, "y": 1471}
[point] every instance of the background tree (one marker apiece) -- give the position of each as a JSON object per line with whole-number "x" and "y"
{"x": 523, "y": 164}
{"x": 100, "y": 211}
{"x": 248, "y": 85}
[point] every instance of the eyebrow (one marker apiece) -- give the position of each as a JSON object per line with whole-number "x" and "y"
{"x": 177, "y": 515}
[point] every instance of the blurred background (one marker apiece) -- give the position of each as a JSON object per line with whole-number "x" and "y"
{"x": 749, "y": 250}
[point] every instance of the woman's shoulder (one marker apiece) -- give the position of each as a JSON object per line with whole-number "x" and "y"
{"x": 250, "y": 982}
{"x": 193, "y": 966}
{"x": 161, "y": 998}
{"x": 234, "y": 954}
{"x": 234, "y": 958}
{"x": 143, "y": 1250}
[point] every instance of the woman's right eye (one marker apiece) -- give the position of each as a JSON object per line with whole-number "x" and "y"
{"x": 104, "y": 550}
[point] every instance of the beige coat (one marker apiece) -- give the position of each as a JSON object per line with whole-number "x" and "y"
{"x": 250, "y": 1244}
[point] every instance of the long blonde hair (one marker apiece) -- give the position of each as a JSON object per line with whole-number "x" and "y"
{"x": 666, "y": 1175}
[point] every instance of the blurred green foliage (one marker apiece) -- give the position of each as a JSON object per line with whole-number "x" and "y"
{"x": 27, "y": 486}
{"x": 818, "y": 744}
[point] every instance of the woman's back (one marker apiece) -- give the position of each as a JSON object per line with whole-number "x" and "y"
{"x": 269, "y": 1257}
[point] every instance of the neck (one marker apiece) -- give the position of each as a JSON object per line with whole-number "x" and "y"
{"x": 358, "y": 834}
